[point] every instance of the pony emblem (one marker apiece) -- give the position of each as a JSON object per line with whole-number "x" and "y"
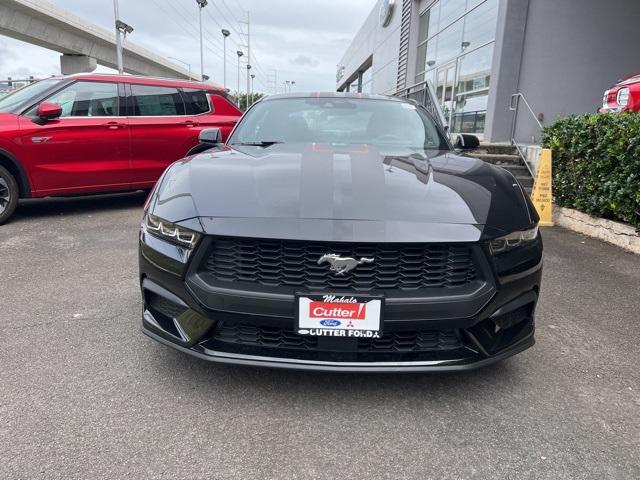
{"x": 342, "y": 265}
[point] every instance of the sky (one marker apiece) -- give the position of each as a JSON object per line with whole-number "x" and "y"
{"x": 302, "y": 39}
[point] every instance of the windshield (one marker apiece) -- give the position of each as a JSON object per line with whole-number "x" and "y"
{"x": 345, "y": 121}
{"x": 24, "y": 94}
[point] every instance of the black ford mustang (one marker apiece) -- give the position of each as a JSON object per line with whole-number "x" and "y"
{"x": 340, "y": 232}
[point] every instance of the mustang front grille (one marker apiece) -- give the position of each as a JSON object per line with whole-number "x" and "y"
{"x": 294, "y": 264}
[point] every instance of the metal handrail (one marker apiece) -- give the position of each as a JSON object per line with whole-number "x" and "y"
{"x": 514, "y": 107}
{"x": 429, "y": 101}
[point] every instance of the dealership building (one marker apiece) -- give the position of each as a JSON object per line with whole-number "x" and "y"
{"x": 487, "y": 62}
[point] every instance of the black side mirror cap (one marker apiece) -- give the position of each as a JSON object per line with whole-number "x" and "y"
{"x": 466, "y": 142}
{"x": 210, "y": 136}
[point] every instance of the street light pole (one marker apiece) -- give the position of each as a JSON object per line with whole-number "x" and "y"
{"x": 121, "y": 28}
{"x": 184, "y": 63}
{"x": 225, "y": 34}
{"x": 240, "y": 54}
{"x": 248, "y": 85}
{"x": 253, "y": 78}
{"x": 201, "y": 5}
{"x": 118, "y": 41}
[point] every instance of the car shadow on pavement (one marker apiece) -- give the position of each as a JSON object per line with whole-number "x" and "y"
{"x": 56, "y": 206}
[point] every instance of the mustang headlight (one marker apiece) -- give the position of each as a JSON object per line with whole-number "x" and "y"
{"x": 170, "y": 231}
{"x": 513, "y": 240}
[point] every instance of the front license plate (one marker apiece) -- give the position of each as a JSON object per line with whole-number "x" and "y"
{"x": 353, "y": 316}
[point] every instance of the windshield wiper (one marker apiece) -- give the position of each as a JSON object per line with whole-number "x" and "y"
{"x": 263, "y": 143}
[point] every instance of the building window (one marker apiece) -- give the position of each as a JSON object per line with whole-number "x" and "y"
{"x": 455, "y": 51}
{"x": 367, "y": 81}
{"x": 472, "y": 91}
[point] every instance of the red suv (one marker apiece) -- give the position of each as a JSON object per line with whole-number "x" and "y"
{"x": 624, "y": 97}
{"x": 93, "y": 133}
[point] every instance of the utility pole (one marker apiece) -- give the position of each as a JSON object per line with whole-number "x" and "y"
{"x": 248, "y": 54}
{"x": 225, "y": 34}
{"x": 248, "y": 45}
{"x": 201, "y": 5}
{"x": 272, "y": 81}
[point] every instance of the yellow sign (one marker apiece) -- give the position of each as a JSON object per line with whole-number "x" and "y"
{"x": 541, "y": 194}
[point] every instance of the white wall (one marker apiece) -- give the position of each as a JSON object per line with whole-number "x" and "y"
{"x": 573, "y": 50}
{"x": 382, "y": 43}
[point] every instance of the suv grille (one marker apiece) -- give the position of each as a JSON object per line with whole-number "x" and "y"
{"x": 285, "y": 263}
{"x": 241, "y": 334}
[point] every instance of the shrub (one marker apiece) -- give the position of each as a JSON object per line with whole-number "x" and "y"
{"x": 596, "y": 162}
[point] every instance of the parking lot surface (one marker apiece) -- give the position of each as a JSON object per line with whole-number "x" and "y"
{"x": 83, "y": 394}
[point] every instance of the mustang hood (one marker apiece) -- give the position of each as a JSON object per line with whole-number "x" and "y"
{"x": 340, "y": 194}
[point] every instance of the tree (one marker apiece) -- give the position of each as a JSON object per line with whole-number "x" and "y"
{"x": 242, "y": 105}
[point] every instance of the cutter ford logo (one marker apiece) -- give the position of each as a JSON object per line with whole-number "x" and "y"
{"x": 339, "y": 316}
{"x": 333, "y": 311}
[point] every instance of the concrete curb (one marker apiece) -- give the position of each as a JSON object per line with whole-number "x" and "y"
{"x": 619, "y": 234}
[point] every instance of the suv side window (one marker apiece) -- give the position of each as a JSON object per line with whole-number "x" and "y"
{"x": 151, "y": 101}
{"x": 196, "y": 101}
{"x": 87, "y": 99}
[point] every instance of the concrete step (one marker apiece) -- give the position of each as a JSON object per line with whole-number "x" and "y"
{"x": 497, "y": 158}
{"x": 517, "y": 170}
{"x": 497, "y": 149}
{"x": 526, "y": 181}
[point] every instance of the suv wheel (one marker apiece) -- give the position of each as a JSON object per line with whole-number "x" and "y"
{"x": 8, "y": 195}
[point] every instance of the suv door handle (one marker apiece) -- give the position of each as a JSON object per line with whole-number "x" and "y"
{"x": 190, "y": 123}
{"x": 114, "y": 125}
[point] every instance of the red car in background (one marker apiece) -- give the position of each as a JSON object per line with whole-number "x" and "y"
{"x": 93, "y": 133}
{"x": 624, "y": 97}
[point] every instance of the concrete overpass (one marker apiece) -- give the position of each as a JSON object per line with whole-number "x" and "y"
{"x": 83, "y": 45}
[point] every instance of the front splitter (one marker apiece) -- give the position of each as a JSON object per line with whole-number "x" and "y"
{"x": 347, "y": 367}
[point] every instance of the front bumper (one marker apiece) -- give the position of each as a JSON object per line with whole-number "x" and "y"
{"x": 499, "y": 323}
{"x": 452, "y": 365}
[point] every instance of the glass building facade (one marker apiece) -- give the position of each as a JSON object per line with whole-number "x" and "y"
{"x": 455, "y": 51}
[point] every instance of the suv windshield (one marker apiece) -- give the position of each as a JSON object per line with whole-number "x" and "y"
{"x": 334, "y": 120}
{"x": 24, "y": 94}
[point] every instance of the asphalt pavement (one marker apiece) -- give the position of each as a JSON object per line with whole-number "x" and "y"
{"x": 85, "y": 395}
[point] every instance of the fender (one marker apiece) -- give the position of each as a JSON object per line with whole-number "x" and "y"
{"x": 16, "y": 166}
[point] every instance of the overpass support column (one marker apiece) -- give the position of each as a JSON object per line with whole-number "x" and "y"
{"x": 70, "y": 64}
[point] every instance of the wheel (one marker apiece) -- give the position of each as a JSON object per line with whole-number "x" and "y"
{"x": 9, "y": 194}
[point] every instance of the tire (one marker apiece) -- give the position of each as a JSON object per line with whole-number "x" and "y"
{"x": 9, "y": 194}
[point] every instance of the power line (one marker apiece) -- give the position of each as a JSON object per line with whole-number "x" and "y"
{"x": 189, "y": 32}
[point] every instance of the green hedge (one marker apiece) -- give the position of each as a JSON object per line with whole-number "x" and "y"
{"x": 596, "y": 162}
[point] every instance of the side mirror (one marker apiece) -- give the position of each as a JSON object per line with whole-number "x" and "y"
{"x": 466, "y": 142}
{"x": 210, "y": 136}
{"x": 49, "y": 111}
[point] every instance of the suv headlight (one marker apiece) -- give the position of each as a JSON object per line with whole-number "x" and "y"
{"x": 513, "y": 240}
{"x": 170, "y": 231}
{"x": 623, "y": 97}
